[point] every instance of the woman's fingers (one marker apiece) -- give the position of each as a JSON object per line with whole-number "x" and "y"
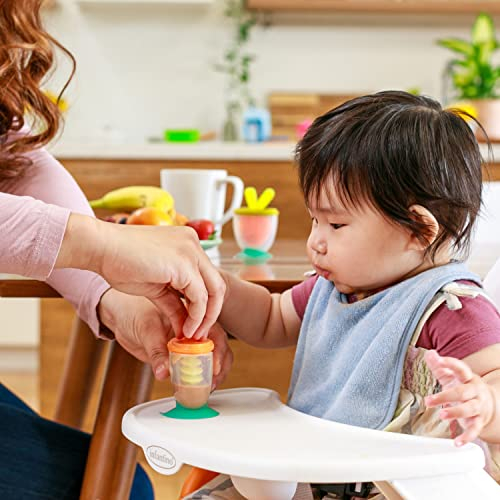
{"x": 155, "y": 337}
{"x": 172, "y": 307}
{"x": 203, "y": 289}
{"x": 216, "y": 288}
{"x": 188, "y": 281}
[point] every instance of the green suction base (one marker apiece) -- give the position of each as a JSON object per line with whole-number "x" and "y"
{"x": 182, "y": 413}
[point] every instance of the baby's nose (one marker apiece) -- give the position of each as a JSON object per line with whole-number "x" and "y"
{"x": 319, "y": 247}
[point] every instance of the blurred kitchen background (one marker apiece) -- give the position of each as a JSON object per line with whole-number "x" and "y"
{"x": 145, "y": 66}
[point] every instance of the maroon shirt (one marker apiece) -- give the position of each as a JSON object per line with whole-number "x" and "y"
{"x": 451, "y": 333}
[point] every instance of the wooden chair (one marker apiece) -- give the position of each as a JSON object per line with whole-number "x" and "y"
{"x": 127, "y": 382}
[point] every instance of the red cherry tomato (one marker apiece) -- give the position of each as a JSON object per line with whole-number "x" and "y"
{"x": 204, "y": 228}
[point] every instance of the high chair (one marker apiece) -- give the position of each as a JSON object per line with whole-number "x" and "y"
{"x": 262, "y": 443}
{"x": 267, "y": 448}
{"x": 112, "y": 459}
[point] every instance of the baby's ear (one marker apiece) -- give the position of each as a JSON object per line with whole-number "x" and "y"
{"x": 431, "y": 231}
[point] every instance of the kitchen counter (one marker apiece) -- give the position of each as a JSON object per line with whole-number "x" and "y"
{"x": 210, "y": 150}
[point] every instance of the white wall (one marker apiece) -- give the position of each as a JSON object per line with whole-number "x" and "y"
{"x": 143, "y": 68}
{"x": 20, "y": 322}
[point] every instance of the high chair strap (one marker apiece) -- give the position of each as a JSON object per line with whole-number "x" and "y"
{"x": 450, "y": 294}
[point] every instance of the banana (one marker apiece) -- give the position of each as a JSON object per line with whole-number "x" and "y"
{"x": 134, "y": 197}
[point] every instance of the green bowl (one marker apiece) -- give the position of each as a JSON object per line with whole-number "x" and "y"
{"x": 182, "y": 135}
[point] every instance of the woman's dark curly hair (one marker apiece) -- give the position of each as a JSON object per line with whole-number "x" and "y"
{"x": 392, "y": 150}
{"x": 26, "y": 57}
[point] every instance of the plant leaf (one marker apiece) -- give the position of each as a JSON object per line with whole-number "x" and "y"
{"x": 485, "y": 50}
{"x": 457, "y": 45}
{"x": 483, "y": 30}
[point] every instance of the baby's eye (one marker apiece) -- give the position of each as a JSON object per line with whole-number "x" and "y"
{"x": 337, "y": 226}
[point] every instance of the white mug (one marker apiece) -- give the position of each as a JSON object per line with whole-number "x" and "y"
{"x": 201, "y": 194}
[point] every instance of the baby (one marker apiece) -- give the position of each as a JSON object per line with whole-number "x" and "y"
{"x": 393, "y": 184}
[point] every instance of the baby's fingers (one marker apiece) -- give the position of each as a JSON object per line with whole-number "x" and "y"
{"x": 469, "y": 409}
{"x": 444, "y": 367}
{"x": 471, "y": 432}
{"x": 459, "y": 393}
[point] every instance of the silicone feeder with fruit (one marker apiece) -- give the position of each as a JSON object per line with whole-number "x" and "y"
{"x": 191, "y": 370}
{"x": 255, "y": 225}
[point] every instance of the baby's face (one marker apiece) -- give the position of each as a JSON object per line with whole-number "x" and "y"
{"x": 358, "y": 248}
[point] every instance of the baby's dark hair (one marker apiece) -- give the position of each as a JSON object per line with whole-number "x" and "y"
{"x": 393, "y": 149}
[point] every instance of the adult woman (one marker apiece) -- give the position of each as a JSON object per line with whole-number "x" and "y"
{"x": 124, "y": 281}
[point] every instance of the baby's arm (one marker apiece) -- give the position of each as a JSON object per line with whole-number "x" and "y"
{"x": 254, "y": 315}
{"x": 472, "y": 386}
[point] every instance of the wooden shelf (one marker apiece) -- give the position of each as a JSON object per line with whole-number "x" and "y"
{"x": 380, "y": 6}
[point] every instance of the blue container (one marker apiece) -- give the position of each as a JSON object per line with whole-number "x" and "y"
{"x": 256, "y": 125}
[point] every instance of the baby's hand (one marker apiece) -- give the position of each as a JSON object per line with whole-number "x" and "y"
{"x": 465, "y": 396}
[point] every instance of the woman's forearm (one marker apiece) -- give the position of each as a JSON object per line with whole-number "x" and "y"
{"x": 82, "y": 246}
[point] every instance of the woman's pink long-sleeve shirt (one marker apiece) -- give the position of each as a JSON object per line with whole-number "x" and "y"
{"x": 34, "y": 211}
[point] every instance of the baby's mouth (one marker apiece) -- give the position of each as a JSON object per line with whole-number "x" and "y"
{"x": 321, "y": 272}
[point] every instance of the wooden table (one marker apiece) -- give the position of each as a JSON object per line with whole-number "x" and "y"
{"x": 285, "y": 269}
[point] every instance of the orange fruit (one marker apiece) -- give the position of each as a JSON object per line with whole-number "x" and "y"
{"x": 180, "y": 219}
{"x": 149, "y": 216}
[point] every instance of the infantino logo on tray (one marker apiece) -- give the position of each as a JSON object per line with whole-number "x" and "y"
{"x": 160, "y": 457}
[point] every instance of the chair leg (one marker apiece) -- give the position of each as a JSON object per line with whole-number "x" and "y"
{"x": 112, "y": 458}
{"x": 80, "y": 367}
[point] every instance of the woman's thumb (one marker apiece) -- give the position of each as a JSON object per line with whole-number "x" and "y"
{"x": 158, "y": 359}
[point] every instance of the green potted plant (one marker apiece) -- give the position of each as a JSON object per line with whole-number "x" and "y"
{"x": 474, "y": 76}
{"x": 236, "y": 65}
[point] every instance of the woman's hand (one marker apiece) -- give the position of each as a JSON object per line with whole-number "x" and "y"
{"x": 466, "y": 397}
{"x": 142, "y": 330}
{"x": 159, "y": 262}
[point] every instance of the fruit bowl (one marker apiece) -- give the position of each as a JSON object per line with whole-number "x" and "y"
{"x": 207, "y": 244}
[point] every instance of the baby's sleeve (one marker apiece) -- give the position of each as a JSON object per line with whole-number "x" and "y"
{"x": 462, "y": 332}
{"x": 301, "y": 294}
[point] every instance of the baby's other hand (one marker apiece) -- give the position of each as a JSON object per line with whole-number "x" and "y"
{"x": 465, "y": 396}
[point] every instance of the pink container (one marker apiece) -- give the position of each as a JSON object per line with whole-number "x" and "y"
{"x": 302, "y": 127}
{"x": 255, "y": 230}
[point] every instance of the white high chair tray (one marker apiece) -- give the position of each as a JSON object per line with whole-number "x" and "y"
{"x": 257, "y": 436}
